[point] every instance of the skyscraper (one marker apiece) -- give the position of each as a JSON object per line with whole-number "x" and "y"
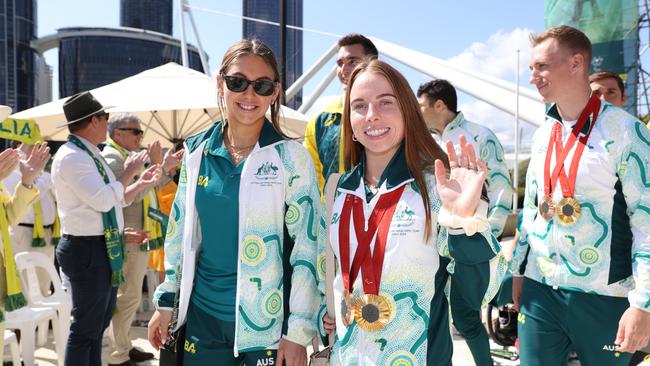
{"x": 270, "y": 35}
{"x": 153, "y": 15}
{"x": 17, "y": 59}
{"x": 92, "y": 57}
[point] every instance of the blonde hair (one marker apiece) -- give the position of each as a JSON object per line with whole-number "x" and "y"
{"x": 569, "y": 38}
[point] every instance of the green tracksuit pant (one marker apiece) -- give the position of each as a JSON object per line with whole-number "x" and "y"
{"x": 210, "y": 341}
{"x": 552, "y": 322}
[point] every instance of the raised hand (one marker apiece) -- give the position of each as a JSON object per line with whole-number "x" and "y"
{"x": 135, "y": 163}
{"x": 172, "y": 159}
{"x": 155, "y": 152}
{"x": 33, "y": 166}
{"x": 9, "y": 160}
{"x": 461, "y": 192}
{"x": 151, "y": 176}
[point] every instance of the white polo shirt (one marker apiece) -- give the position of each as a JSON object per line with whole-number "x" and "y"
{"x": 81, "y": 193}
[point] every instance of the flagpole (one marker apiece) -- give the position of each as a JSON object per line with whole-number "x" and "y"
{"x": 517, "y": 138}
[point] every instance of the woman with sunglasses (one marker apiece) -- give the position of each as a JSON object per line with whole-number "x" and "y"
{"x": 242, "y": 235}
{"x": 397, "y": 229}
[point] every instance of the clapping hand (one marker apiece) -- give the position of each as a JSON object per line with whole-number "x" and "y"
{"x": 135, "y": 163}
{"x": 33, "y": 166}
{"x": 172, "y": 159}
{"x": 151, "y": 176}
{"x": 155, "y": 152}
{"x": 9, "y": 160}
{"x": 461, "y": 192}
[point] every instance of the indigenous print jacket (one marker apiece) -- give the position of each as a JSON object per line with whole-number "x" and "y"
{"x": 607, "y": 250}
{"x": 414, "y": 275}
{"x": 279, "y": 212}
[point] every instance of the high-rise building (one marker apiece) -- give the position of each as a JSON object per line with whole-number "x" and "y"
{"x": 17, "y": 59}
{"x": 270, "y": 35}
{"x": 153, "y": 15}
{"x": 92, "y": 57}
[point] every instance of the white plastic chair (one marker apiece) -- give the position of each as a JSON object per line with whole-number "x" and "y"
{"x": 59, "y": 300}
{"x": 26, "y": 320}
{"x": 12, "y": 342}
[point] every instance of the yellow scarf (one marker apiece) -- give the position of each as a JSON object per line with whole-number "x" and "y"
{"x": 154, "y": 227}
{"x": 56, "y": 229}
{"x": 38, "y": 235}
{"x": 150, "y": 201}
{"x": 13, "y": 296}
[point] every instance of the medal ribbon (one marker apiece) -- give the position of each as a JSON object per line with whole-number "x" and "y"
{"x": 568, "y": 183}
{"x": 372, "y": 266}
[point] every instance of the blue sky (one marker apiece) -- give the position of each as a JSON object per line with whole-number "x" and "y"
{"x": 482, "y": 35}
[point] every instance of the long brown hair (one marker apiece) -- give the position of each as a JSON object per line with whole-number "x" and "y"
{"x": 420, "y": 148}
{"x": 255, "y": 47}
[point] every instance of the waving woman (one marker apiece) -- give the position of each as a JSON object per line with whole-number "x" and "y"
{"x": 398, "y": 229}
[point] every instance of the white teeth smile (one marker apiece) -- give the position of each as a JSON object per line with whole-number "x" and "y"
{"x": 377, "y": 132}
{"x": 246, "y": 107}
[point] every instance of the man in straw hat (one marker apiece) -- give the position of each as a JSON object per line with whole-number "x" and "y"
{"x": 90, "y": 201}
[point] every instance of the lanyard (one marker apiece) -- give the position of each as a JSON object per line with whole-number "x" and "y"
{"x": 555, "y": 143}
{"x": 372, "y": 264}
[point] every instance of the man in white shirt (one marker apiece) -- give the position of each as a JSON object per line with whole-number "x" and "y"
{"x": 22, "y": 235}
{"x": 90, "y": 201}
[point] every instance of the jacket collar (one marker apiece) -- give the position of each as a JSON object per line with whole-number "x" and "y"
{"x": 215, "y": 145}
{"x": 455, "y": 123}
{"x": 554, "y": 114}
{"x": 395, "y": 175}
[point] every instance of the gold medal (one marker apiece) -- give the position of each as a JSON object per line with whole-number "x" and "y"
{"x": 347, "y": 308}
{"x": 546, "y": 207}
{"x": 372, "y": 312}
{"x": 568, "y": 211}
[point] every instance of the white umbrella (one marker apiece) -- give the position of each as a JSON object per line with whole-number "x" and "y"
{"x": 173, "y": 102}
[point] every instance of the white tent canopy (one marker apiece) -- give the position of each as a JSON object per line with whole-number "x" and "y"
{"x": 173, "y": 102}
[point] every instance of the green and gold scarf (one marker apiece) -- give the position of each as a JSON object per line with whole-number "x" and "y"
{"x": 13, "y": 297}
{"x": 38, "y": 232}
{"x": 150, "y": 202}
{"x": 112, "y": 234}
{"x": 154, "y": 227}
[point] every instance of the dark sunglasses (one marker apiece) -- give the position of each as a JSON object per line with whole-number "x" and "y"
{"x": 237, "y": 84}
{"x": 136, "y": 131}
{"x": 100, "y": 115}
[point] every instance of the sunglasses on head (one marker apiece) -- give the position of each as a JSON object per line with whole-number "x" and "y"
{"x": 237, "y": 84}
{"x": 136, "y": 131}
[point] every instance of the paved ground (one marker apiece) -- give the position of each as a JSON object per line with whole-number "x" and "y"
{"x": 45, "y": 356}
